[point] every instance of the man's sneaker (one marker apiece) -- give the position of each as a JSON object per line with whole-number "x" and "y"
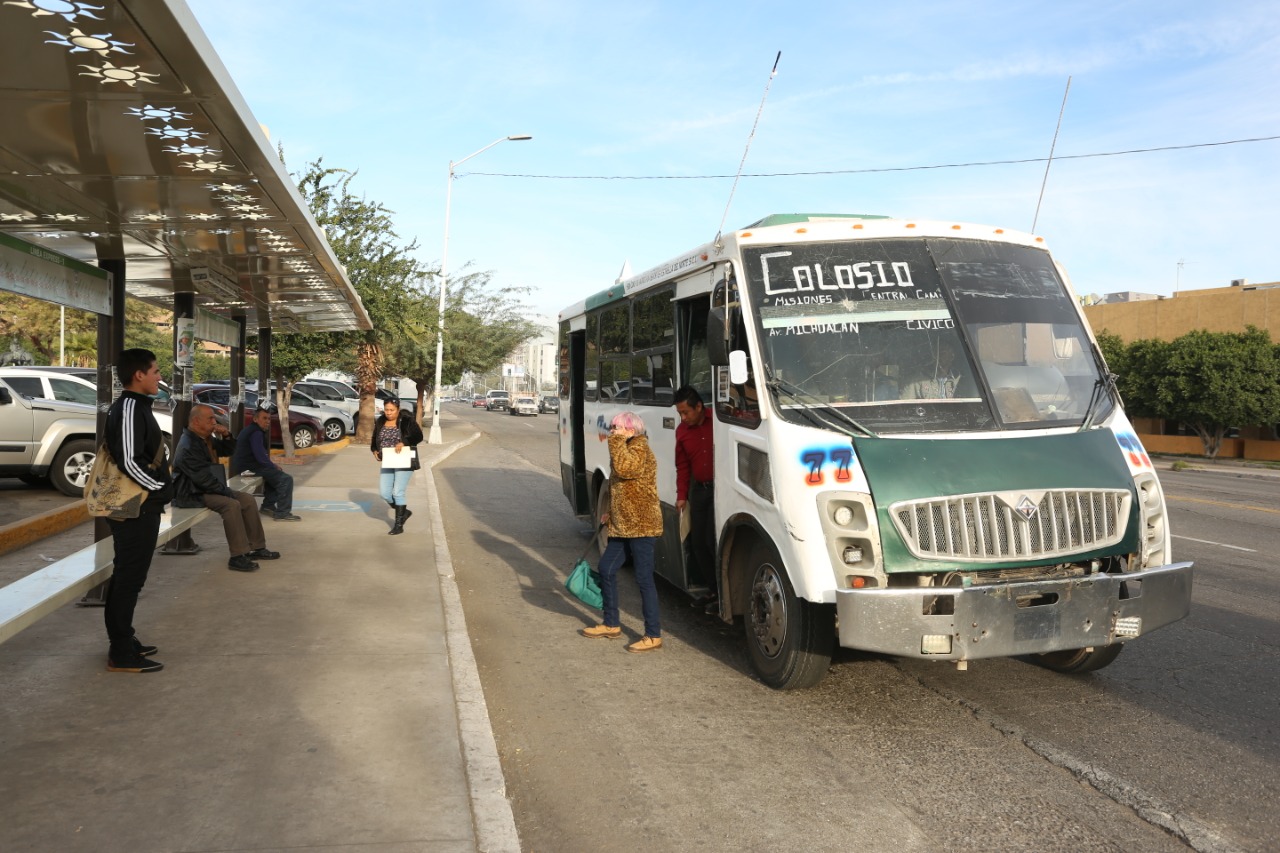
{"x": 242, "y": 563}
{"x": 287, "y": 516}
{"x": 599, "y": 632}
{"x": 142, "y": 649}
{"x": 135, "y": 663}
{"x": 646, "y": 644}
{"x": 263, "y": 554}
{"x": 267, "y": 510}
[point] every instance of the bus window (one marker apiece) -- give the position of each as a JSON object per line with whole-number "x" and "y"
{"x": 738, "y": 403}
{"x": 695, "y": 364}
{"x": 591, "y": 367}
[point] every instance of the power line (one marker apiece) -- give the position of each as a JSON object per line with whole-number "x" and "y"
{"x": 878, "y": 170}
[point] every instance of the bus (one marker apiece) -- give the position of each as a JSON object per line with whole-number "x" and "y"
{"x": 919, "y": 450}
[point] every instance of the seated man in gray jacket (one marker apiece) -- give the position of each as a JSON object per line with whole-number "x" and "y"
{"x": 200, "y": 480}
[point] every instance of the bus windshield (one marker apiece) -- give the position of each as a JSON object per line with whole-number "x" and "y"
{"x": 923, "y": 335}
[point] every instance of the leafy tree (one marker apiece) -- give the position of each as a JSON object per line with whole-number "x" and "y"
{"x": 482, "y": 326}
{"x": 1216, "y": 380}
{"x": 382, "y": 269}
{"x": 1139, "y": 374}
{"x": 36, "y": 326}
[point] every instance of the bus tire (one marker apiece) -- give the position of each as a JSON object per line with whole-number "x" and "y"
{"x": 597, "y": 513}
{"x": 789, "y": 640}
{"x": 1079, "y": 660}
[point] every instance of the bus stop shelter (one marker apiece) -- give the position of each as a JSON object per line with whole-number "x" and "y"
{"x": 125, "y": 145}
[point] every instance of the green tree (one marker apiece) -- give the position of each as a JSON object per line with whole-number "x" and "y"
{"x": 482, "y": 325}
{"x": 1213, "y": 381}
{"x": 382, "y": 269}
{"x": 36, "y": 325}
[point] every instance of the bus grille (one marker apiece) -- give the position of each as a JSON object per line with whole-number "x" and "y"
{"x": 1012, "y": 525}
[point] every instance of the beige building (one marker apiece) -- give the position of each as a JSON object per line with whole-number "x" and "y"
{"x": 1217, "y": 309}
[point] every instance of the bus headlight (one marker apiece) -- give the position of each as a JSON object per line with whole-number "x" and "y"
{"x": 851, "y": 555}
{"x": 843, "y": 516}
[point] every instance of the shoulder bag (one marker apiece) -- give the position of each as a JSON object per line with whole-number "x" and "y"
{"x": 110, "y": 492}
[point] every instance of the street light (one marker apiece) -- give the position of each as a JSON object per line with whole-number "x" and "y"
{"x": 433, "y": 435}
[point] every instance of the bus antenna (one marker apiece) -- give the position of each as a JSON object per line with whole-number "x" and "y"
{"x": 743, "y": 163}
{"x": 1052, "y": 146}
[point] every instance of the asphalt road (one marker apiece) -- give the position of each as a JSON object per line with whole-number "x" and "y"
{"x": 1175, "y": 746}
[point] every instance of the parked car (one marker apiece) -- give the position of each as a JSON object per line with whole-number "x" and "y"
{"x": 337, "y": 423}
{"x": 497, "y": 401}
{"x": 43, "y": 438}
{"x": 347, "y": 391}
{"x": 549, "y": 405}
{"x": 524, "y": 405}
{"x": 329, "y": 396}
{"x": 306, "y": 430}
{"x": 75, "y": 385}
{"x": 382, "y": 395}
{"x": 478, "y": 401}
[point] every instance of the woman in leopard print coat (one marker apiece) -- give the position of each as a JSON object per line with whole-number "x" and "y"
{"x": 635, "y": 522}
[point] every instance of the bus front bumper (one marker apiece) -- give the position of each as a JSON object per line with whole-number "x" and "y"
{"x": 1003, "y": 620}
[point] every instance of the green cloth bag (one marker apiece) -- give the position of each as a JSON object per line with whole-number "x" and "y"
{"x": 584, "y": 583}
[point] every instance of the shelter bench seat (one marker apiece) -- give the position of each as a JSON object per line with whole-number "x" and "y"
{"x": 29, "y": 599}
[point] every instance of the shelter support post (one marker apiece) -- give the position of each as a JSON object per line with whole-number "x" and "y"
{"x": 110, "y": 343}
{"x": 184, "y": 308}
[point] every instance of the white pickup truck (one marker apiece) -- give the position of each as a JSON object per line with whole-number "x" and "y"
{"x": 46, "y": 438}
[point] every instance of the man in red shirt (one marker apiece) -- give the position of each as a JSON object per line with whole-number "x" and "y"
{"x": 695, "y": 473}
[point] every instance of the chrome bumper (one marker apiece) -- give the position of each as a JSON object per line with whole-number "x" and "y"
{"x": 1002, "y": 620}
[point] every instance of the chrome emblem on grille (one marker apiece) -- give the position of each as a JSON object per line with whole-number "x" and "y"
{"x": 1026, "y": 508}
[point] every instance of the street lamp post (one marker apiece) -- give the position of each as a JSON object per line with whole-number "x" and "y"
{"x": 433, "y": 435}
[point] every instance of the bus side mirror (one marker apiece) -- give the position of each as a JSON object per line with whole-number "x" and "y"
{"x": 718, "y": 337}
{"x": 738, "y": 367}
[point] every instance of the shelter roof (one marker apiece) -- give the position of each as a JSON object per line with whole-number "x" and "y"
{"x": 122, "y": 136}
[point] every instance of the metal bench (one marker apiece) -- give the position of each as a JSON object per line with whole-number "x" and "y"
{"x": 26, "y": 601}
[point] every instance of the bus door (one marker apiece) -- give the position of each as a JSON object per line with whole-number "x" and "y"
{"x": 573, "y": 463}
{"x": 695, "y": 370}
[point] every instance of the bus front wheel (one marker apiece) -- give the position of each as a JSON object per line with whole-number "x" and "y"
{"x": 1079, "y": 660}
{"x": 602, "y": 507}
{"x": 790, "y": 640}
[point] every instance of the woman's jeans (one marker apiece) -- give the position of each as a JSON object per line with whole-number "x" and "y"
{"x": 393, "y": 483}
{"x": 640, "y": 549}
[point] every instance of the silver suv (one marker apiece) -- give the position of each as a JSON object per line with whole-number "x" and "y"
{"x": 47, "y": 438}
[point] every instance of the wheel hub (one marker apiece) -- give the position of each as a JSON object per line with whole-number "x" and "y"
{"x": 768, "y": 611}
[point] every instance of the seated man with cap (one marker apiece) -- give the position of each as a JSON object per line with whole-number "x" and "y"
{"x": 199, "y": 479}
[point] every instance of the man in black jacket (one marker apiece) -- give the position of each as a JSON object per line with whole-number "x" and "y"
{"x": 136, "y": 444}
{"x": 200, "y": 480}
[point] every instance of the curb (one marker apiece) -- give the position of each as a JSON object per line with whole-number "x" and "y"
{"x": 494, "y": 822}
{"x": 20, "y": 534}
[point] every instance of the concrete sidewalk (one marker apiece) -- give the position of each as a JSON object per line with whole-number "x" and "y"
{"x": 328, "y": 701}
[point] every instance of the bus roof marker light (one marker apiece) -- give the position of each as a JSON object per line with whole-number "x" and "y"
{"x": 911, "y": 225}
{"x": 746, "y": 234}
{"x": 999, "y": 230}
{"x": 802, "y": 230}
{"x": 955, "y": 227}
{"x": 857, "y": 227}
{"x": 1039, "y": 239}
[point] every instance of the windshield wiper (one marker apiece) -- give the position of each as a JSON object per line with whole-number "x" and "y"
{"x": 1103, "y": 386}
{"x": 816, "y": 415}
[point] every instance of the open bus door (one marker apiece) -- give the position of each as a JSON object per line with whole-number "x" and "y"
{"x": 573, "y": 463}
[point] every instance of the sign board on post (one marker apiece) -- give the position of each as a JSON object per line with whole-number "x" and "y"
{"x": 185, "y": 349}
{"x": 32, "y": 270}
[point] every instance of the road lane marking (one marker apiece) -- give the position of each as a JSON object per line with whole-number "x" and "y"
{"x": 1219, "y": 544}
{"x": 1223, "y": 503}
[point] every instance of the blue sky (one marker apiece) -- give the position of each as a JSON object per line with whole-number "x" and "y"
{"x": 397, "y": 89}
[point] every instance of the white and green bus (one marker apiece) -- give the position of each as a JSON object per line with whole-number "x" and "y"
{"x": 918, "y": 448}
